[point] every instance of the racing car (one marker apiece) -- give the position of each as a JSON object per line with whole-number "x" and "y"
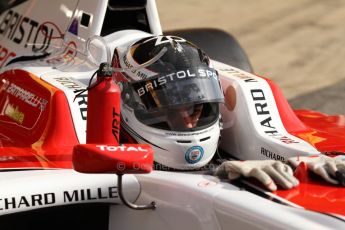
{"x": 48, "y": 52}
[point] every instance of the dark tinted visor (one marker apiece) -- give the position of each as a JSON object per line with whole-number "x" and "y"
{"x": 190, "y": 86}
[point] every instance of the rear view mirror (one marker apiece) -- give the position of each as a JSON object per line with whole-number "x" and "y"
{"x": 123, "y": 159}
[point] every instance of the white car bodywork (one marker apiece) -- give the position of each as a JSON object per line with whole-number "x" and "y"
{"x": 184, "y": 200}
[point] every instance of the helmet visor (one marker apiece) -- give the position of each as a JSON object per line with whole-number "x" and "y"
{"x": 189, "y": 86}
{"x": 185, "y": 118}
{"x": 180, "y": 101}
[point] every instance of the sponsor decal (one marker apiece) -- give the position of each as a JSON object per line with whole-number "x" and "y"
{"x": 34, "y": 200}
{"x": 165, "y": 39}
{"x": 5, "y": 55}
{"x": 121, "y": 148}
{"x": 27, "y": 96}
{"x": 89, "y": 194}
{"x": 14, "y": 113}
{"x": 261, "y": 107}
{"x": 272, "y": 155}
{"x": 116, "y": 125}
{"x": 239, "y": 75}
{"x": 44, "y": 199}
{"x": 262, "y": 111}
{"x": 187, "y": 134}
{"x": 194, "y": 154}
{"x": 141, "y": 73}
{"x": 68, "y": 83}
{"x": 80, "y": 98}
{"x": 67, "y": 56}
{"x": 182, "y": 74}
{"x": 21, "y": 29}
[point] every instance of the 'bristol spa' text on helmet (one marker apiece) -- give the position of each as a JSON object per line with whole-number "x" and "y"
{"x": 171, "y": 103}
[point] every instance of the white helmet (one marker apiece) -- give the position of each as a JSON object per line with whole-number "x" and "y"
{"x": 173, "y": 103}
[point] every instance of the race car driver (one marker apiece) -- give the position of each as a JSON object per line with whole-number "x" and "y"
{"x": 173, "y": 105}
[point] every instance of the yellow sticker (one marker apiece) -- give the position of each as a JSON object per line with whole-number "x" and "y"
{"x": 14, "y": 113}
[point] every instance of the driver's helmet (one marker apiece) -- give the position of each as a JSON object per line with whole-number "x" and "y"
{"x": 171, "y": 103}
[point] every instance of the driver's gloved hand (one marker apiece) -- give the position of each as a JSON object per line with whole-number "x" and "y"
{"x": 330, "y": 169}
{"x": 268, "y": 172}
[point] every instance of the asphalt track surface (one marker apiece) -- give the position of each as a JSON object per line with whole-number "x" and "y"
{"x": 299, "y": 44}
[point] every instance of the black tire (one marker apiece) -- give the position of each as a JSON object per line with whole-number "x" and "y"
{"x": 218, "y": 44}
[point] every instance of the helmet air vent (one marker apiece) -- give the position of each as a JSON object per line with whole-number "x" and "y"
{"x": 184, "y": 141}
{"x": 205, "y": 139}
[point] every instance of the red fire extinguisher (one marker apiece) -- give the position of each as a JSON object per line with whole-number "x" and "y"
{"x": 103, "y": 109}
